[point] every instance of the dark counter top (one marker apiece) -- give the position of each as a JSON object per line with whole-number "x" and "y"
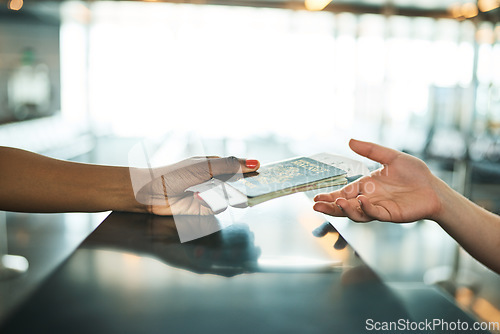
{"x": 272, "y": 268}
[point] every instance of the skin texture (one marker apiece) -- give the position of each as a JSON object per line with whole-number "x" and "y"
{"x": 31, "y": 182}
{"x": 404, "y": 190}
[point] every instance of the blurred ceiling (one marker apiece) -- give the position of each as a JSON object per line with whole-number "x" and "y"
{"x": 354, "y": 5}
{"x": 431, "y": 8}
{"x": 425, "y": 8}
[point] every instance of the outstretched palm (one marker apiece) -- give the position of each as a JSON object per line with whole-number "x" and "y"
{"x": 402, "y": 191}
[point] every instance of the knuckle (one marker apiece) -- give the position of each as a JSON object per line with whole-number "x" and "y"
{"x": 232, "y": 162}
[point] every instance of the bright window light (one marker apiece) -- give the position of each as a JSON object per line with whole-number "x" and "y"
{"x": 240, "y": 71}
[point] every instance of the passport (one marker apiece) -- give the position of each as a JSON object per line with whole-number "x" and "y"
{"x": 271, "y": 181}
{"x": 287, "y": 177}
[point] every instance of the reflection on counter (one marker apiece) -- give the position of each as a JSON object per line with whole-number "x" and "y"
{"x": 229, "y": 251}
{"x": 132, "y": 274}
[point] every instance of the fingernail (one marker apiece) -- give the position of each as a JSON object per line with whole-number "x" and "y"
{"x": 340, "y": 207}
{"x": 359, "y": 201}
{"x": 251, "y": 163}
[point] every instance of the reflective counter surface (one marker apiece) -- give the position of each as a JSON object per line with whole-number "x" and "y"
{"x": 276, "y": 267}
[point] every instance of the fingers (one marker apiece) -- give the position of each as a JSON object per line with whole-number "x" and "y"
{"x": 342, "y": 207}
{"x": 351, "y": 190}
{"x": 331, "y": 197}
{"x": 374, "y": 211}
{"x": 231, "y": 165}
{"x": 329, "y": 208}
{"x": 346, "y": 192}
{"x": 352, "y": 209}
{"x": 381, "y": 154}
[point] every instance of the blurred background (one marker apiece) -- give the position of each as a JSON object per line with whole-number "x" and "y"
{"x": 267, "y": 79}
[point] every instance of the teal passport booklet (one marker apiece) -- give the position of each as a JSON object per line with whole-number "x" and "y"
{"x": 287, "y": 177}
{"x": 271, "y": 181}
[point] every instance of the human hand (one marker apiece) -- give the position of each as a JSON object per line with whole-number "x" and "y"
{"x": 163, "y": 189}
{"x": 403, "y": 190}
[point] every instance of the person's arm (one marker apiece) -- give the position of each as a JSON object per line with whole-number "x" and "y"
{"x": 31, "y": 182}
{"x": 476, "y": 229}
{"x": 405, "y": 190}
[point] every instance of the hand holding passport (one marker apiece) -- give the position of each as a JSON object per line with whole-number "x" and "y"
{"x": 274, "y": 180}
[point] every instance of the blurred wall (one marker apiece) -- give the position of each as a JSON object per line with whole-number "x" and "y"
{"x": 29, "y": 65}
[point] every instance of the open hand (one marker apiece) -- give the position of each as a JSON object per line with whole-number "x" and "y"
{"x": 403, "y": 190}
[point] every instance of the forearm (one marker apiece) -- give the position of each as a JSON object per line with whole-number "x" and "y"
{"x": 33, "y": 183}
{"x": 476, "y": 229}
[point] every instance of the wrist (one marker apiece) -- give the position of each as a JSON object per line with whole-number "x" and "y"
{"x": 132, "y": 204}
{"x": 446, "y": 198}
{"x": 125, "y": 198}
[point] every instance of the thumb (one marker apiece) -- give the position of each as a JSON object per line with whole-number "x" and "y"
{"x": 378, "y": 153}
{"x": 232, "y": 165}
